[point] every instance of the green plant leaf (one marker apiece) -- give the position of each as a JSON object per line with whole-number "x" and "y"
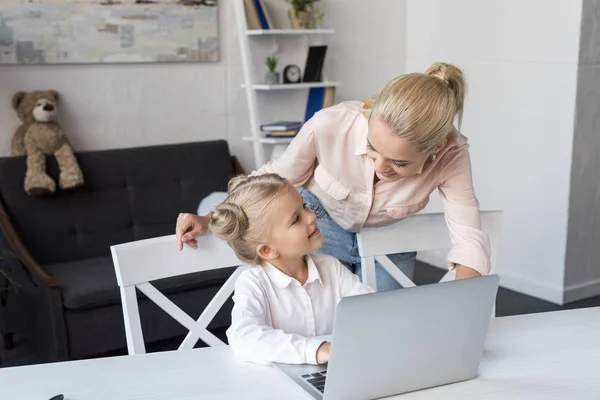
{"x": 11, "y": 282}
{"x": 271, "y": 63}
{"x": 301, "y": 5}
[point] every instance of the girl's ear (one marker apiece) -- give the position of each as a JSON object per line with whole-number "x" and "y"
{"x": 266, "y": 252}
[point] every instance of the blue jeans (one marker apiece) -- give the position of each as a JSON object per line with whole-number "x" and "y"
{"x": 342, "y": 245}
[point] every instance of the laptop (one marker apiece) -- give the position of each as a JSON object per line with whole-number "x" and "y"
{"x": 399, "y": 341}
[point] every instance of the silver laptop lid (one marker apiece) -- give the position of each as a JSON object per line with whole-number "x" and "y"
{"x": 403, "y": 340}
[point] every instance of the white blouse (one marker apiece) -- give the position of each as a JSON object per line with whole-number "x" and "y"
{"x": 276, "y": 319}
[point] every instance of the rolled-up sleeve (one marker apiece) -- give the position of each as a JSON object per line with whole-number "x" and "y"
{"x": 297, "y": 162}
{"x": 251, "y": 337}
{"x": 470, "y": 245}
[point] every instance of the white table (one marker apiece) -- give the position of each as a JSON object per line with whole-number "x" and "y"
{"x": 539, "y": 356}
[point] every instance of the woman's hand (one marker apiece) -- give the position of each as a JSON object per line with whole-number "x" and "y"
{"x": 464, "y": 272}
{"x": 323, "y": 353}
{"x": 188, "y": 227}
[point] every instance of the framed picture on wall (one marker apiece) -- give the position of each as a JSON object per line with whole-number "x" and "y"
{"x": 108, "y": 31}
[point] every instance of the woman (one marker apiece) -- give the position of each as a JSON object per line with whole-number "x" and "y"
{"x": 373, "y": 163}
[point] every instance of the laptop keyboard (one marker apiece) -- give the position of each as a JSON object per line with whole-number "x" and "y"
{"x": 316, "y": 380}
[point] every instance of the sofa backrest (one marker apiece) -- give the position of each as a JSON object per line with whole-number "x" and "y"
{"x": 129, "y": 194}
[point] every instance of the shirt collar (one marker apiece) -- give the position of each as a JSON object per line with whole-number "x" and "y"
{"x": 361, "y": 136}
{"x": 282, "y": 280}
{"x": 313, "y": 271}
{"x": 361, "y": 143}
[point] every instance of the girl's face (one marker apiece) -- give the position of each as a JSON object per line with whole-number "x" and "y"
{"x": 293, "y": 227}
{"x": 393, "y": 157}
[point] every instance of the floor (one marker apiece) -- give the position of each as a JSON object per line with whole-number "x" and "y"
{"x": 508, "y": 303}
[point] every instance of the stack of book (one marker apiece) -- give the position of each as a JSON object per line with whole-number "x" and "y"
{"x": 318, "y": 98}
{"x": 281, "y": 129}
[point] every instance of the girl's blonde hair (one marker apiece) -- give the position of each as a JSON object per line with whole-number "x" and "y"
{"x": 241, "y": 219}
{"x": 421, "y": 108}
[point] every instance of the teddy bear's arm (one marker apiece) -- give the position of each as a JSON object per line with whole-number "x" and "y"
{"x": 17, "y": 147}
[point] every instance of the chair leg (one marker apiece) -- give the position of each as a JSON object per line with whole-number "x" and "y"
{"x": 8, "y": 339}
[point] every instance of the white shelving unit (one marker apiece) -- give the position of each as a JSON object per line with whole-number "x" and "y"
{"x": 290, "y": 86}
{"x": 269, "y": 140}
{"x": 283, "y": 32}
{"x": 251, "y": 87}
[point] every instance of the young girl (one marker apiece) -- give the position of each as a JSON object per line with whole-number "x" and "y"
{"x": 290, "y": 295}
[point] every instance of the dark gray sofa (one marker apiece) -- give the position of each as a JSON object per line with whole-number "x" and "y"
{"x": 68, "y": 303}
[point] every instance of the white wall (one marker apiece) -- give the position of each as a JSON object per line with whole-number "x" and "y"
{"x": 521, "y": 59}
{"x": 115, "y": 106}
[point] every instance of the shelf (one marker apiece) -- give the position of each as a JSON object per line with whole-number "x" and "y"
{"x": 288, "y": 32}
{"x": 269, "y": 140}
{"x": 289, "y": 86}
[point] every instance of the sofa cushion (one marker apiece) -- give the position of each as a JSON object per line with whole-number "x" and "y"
{"x": 92, "y": 283}
{"x": 129, "y": 194}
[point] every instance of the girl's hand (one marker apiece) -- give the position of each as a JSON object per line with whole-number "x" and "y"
{"x": 323, "y": 353}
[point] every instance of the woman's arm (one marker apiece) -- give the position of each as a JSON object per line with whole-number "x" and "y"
{"x": 297, "y": 162}
{"x": 253, "y": 339}
{"x": 470, "y": 252}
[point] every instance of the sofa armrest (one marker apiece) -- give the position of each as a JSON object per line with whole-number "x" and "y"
{"x": 21, "y": 250}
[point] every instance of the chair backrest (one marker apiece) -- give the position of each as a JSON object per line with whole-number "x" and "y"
{"x": 137, "y": 263}
{"x": 420, "y": 232}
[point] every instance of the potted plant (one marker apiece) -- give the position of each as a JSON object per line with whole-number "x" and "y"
{"x": 272, "y": 76}
{"x": 301, "y": 13}
{"x": 318, "y": 17}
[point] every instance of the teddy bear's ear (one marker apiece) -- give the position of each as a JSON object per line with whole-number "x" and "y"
{"x": 17, "y": 99}
{"x": 56, "y": 95}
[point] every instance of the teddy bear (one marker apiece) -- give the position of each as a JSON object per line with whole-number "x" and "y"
{"x": 39, "y": 136}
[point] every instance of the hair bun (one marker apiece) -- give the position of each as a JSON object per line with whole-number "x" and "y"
{"x": 229, "y": 221}
{"x": 446, "y": 72}
{"x": 454, "y": 78}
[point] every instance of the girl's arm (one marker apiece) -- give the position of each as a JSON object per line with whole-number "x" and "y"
{"x": 253, "y": 339}
{"x": 471, "y": 250}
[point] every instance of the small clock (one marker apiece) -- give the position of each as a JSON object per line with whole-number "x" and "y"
{"x": 291, "y": 74}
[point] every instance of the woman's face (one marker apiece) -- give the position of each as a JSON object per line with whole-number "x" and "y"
{"x": 393, "y": 157}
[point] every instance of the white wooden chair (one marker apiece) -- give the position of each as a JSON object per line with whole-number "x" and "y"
{"x": 137, "y": 263}
{"x": 421, "y": 232}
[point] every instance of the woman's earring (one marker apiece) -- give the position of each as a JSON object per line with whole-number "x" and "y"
{"x": 433, "y": 157}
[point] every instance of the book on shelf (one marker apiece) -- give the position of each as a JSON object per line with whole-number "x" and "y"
{"x": 281, "y": 126}
{"x": 319, "y": 98}
{"x": 281, "y": 134}
{"x": 257, "y": 16}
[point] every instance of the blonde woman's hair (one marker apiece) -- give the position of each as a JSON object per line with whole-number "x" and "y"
{"x": 421, "y": 108}
{"x": 241, "y": 219}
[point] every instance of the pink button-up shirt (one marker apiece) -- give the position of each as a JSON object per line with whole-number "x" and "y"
{"x": 329, "y": 158}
